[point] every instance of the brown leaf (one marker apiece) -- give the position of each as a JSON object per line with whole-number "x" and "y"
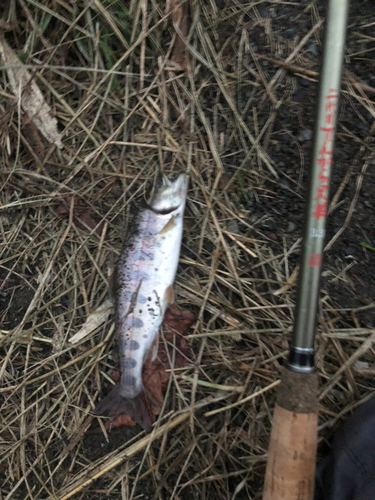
{"x": 116, "y": 375}
{"x": 154, "y": 379}
{"x": 223, "y": 182}
{"x": 85, "y": 218}
{"x": 118, "y": 421}
{"x": 31, "y": 133}
{"x": 177, "y": 320}
{"x": 155, "y": 375}
{"x": 180, "y": 19}
{"x": 63, "y": 208}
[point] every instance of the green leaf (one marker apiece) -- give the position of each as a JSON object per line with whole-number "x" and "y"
{"x": 366, "y": 245}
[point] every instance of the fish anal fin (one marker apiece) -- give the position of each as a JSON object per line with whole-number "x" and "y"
{"x": 169, "y": 295}
{"x": 169, "y": 225}
{"x": 153, "y": 350}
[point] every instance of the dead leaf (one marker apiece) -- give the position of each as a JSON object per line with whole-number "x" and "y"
{"x": 58, "y": 337}
{"x": 31, "y": 133}
{"x": 224, "y": 181}
{"x": 180, "y": 19}
{"x": 155, "y": 379}
{"x": 116, "y": 375}
{"x": 93, "y": 321}
{"x": 155, "y": 375}
{"x": 29, "y": 95}
{"x": 118, "y": 422}
{"x": 177, "y": 321}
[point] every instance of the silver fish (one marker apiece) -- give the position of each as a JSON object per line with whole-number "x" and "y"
{"x": 143, "y": 290}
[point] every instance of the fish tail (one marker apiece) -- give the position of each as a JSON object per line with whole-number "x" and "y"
{"x": 115, "y": 404}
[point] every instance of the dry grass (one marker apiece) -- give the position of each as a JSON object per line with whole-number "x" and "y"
{"x": 127, "y": 111}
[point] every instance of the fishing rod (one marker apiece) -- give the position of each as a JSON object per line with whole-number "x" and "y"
{"x": 290, "y": 472}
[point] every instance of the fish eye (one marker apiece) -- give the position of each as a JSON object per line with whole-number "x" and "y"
{"x": 158, "y": 184}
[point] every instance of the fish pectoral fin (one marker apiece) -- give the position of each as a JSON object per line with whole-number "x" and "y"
{"x": 169, "y": 295}
{"x": 155, "y": 347}
{"x": 169, "y": 225}
{"x": 153, "y": 350}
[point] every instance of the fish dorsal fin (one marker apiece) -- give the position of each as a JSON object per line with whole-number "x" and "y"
{"x": 169, "y": 295}
{"x": 169, "y": 225}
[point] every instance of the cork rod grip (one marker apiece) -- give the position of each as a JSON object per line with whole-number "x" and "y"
{"x": 290, "y": 473}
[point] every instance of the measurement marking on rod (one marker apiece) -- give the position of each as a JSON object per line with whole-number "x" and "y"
{"x": 317, "y": 233}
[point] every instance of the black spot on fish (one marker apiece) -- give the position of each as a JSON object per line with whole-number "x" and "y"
{"x": 156, "y": 269}
{"x": 149, "y": 298}
{"x": 140, "y": 311}
{"x": 150, "y": 232}
{"x": 145, "y": 336}
{"x": 129, "y": 362}
{"x": 146, "y": 256}
{"x": 132, "y": 345}
{"x": 136, "y": 322}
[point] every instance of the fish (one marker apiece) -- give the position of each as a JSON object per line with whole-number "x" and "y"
{"x": 143, "y": 289}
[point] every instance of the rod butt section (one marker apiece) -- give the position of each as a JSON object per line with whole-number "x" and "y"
{"x": 290, "y": 473}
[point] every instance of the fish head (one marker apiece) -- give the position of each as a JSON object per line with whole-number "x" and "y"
{"x": 169, "y": 195}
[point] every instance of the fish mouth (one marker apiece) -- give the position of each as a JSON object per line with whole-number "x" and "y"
{"x": 167, "y": 210}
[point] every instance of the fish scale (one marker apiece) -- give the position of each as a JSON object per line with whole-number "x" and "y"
{"x": 143, "y": 287}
